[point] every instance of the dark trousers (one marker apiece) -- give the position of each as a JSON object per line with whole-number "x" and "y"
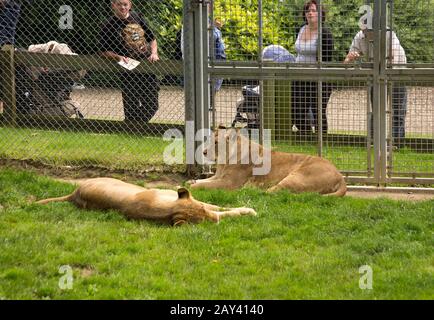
{"x": 304, "y": 105}
{"x": 139, "y": 95}
{"x": 399, "y": 111}
{"x": 9, "y": 16}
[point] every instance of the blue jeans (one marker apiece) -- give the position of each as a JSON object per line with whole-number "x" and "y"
{"x": 399, "y": 111}
{"x": 218, "y": 82}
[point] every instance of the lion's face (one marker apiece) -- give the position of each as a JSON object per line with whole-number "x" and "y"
{"x": 188, "y": 214}
{"x": 224, "y": 146}
{"x": 189, "y": 210}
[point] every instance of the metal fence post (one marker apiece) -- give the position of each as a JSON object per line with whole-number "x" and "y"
{"x": 207, "y": 87}
{"x": 383, "y": 93}
{"x": 376, "y": 92}
{"x": 195, "y": 34}
{"x": 190, "y": 83}
{"x": 319, "y": 83}
{"x": 198, "y": 65}
{"x": 189, "y": 97}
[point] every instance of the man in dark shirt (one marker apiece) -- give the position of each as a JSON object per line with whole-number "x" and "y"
{"x": 126, "y": 35}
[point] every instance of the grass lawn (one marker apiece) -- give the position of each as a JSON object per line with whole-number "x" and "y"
{"x": 298, "y": 247}
{"x": 130, "y": 152}
{"x": 55, "y": 148}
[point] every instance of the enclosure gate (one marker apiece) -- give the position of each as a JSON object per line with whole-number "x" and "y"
{"x": 363, "y": 154}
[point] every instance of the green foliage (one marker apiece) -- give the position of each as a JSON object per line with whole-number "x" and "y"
{"x": 39, "y": 23}
{"x": 413, "y": 22}
{"x": 414, "y": 25}
{"x": 165, "y": 18}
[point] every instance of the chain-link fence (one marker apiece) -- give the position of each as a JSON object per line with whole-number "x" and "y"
{"x": 361, "y": 97}
{"x": 66, "y": 99}
{"x": 71, "y": 89}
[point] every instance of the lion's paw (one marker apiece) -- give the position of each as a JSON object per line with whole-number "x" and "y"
{"x": 248, "y": 211}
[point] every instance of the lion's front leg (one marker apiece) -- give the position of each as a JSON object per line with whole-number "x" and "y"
{"x": 193, "y": 181}
{"x": 234, "y": 212}
{"x": 210, "y": 207}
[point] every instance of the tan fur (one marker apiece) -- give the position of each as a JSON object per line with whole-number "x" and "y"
{"x": 295, "y": 172}
{"x": 135, "y": 202}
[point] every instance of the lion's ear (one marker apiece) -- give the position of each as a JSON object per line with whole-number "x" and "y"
{"x": 183, "y": 193}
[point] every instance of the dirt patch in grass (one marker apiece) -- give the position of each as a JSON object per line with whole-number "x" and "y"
{"x": 151, "y": 178}
{"x": 152, "y": 175}
{"x": 407, "y": 196}
{"x": 86, "y": 272}
{"x": 169, "y": 180}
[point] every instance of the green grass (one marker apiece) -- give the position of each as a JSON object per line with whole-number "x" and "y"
{"x": 115, "y": 151}
{"x": 410, "y": 135}
{"x": 354, "y": 158}
{"x": 298, "y": 247}
{"x": 122, "y": 151}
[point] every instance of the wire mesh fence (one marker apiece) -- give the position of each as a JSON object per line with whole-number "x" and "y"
{"x": 250, "y": 25}
{"x": 68, "y": 96}
{"x": 86, "y": 82}
{"x": 333, "y": 97}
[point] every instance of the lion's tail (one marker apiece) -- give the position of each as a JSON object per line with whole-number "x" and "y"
{"x": 342, "y": 190}
{"x": 59, "y": 199}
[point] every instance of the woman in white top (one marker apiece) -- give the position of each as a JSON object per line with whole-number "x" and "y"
{"x": 304, "y": 94}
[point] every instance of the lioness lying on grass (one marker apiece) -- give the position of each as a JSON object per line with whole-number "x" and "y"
{"x": 292, "y": 171}
{"x": 135, "y": 202}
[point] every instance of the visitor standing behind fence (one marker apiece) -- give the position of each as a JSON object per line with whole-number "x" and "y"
{"x": 126, "y": 35}
{"x": 360, "y": 47}
{"x": 218, "y": 45}
{"x": 304, "y": 94}
{"x": 10, "y": 11}
{"x": 219, "y": 48}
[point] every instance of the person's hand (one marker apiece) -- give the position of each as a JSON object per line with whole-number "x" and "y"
{"x": 153, "y": 57}
{"x": 351, "y": 56}
{"x": 123, "y": 59}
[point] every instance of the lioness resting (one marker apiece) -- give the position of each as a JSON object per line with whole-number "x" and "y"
{"x": 135, "y": 202}
{"x": 295, "y": 172}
